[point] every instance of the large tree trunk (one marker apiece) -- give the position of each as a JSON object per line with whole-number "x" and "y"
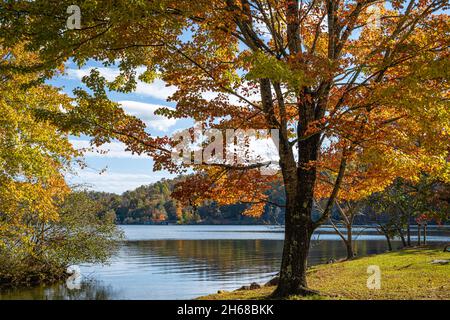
{"x": 299, "y": 226}
{"x": 299, "y": 187}
{"x": 298, "y": 232}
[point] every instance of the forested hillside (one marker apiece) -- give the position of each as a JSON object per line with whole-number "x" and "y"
{"x": 153, "y": 204}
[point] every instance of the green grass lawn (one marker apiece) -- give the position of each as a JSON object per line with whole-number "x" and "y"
{"x": 405, "y": 274}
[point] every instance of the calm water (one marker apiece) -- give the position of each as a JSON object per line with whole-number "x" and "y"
{"x": 183, "y": 262}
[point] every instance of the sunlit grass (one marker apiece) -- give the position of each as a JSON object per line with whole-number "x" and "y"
{"x": 405, "y": 274}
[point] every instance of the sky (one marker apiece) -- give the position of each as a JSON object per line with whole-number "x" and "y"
{"x": 118, "y": 170}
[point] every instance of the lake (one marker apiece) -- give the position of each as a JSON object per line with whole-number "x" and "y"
{"x": 184, "y": 262}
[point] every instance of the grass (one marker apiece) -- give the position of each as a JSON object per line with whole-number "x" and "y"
{"x": 406, "y": 274}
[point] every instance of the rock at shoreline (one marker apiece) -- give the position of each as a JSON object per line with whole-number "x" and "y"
{"x": 273, "y": 282}
{"x": 252, "y": 286}
{"x": 331, "y": 261}
{"x": 440, "y": 262}
{"x": 222, "y": 291}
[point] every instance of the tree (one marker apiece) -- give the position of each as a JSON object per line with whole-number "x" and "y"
{"x": 33, "y": 155}
{"x": 43, "y": 226}
{"x": 320, "y": 72}
{"x": 405, "y": 202}
{"x": 79, "y": 235}
{"x": 381, "y": 215}
{"x": 402, "y": 206}
{"x": 347, "y": 213}
{"x": 171, "y": 209}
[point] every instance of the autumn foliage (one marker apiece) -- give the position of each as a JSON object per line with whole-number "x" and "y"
{"x": 359, "y": 100}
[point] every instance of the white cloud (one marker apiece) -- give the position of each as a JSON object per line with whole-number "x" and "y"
{"x": 109, "y": 73}
{"x": 146, "y": 112}
{"x": 157, "y": 89}
{"x": 113, "y": 181}
{"x": 107, "y": 150}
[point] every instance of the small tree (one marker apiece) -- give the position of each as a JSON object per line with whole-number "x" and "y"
{"x": 347, "y": 212}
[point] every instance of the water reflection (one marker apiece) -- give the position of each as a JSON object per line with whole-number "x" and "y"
{"x": 89, "y": 290}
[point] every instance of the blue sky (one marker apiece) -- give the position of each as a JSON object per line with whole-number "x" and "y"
{"x": 124, "y": 171}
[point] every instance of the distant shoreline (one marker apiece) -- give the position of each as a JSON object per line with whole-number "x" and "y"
{"x": 252, "y": 224}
